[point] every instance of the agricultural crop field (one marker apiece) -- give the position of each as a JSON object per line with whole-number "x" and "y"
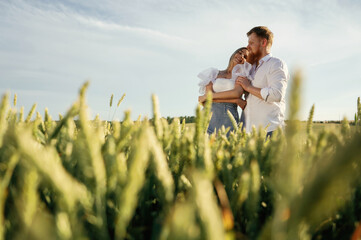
{"x": 317, "y": 127}
{"x": 78, "y": 178}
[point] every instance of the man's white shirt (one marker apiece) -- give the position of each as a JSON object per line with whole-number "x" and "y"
{"x": 271, "y": 75}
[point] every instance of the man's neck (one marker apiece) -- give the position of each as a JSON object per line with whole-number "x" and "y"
{"x": 262, "y": 56}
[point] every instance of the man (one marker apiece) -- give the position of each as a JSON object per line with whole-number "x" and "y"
{"x": 267, "y": 88}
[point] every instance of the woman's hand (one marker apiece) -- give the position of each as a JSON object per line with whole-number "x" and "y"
{"x": 243, "y": 60}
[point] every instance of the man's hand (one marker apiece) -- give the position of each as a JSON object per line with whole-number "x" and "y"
{"x": 244, "y": 82}
{"x": 241, "y": 103}
{"x": 247, "y": 86}
{"x": 202, "y": 99}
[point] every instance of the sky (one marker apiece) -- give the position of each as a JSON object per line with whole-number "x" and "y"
{"x": 49, "y": 48}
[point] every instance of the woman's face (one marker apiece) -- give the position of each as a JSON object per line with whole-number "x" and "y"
{"x": 240, "y": 57}
{"x": 245, "y": 53}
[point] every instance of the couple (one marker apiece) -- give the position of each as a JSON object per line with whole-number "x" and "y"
{"x": 254, "y": 71}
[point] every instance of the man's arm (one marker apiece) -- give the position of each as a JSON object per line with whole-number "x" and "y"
{"x": 239, "y": 101}
{"x": 277, "y": 84}
{"x": 209, "y": 87}
{"x": 278, "y": 77}
{"x": 236, "y": 92}
{"x": 246, "y": 84}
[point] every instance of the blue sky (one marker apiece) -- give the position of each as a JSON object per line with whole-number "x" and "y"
{"x": 49, "y": 48}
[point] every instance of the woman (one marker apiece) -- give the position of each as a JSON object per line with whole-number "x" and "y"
{"x": 219, "y": 82}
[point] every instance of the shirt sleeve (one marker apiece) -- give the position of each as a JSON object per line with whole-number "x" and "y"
{"x": 277, "y": 82}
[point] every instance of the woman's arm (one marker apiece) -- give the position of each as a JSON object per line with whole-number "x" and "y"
{"x": 236, "y": 92}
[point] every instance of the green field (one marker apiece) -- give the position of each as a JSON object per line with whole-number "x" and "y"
{"x": 148, "y": 179}
{"x": 316, "y": 127}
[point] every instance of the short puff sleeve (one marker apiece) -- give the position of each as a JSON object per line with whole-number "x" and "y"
{"x": 206, "y": 76}
{"x": 243, "y": 70}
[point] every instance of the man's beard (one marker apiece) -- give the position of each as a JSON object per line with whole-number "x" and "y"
{"x": 254, "y": 57}
{"x": 251, "y": 59}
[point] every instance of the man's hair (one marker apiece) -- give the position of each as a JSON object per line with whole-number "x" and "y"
{"x": 262, "y": 32}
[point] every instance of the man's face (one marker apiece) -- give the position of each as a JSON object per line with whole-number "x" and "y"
{"x": 254, "y": 47}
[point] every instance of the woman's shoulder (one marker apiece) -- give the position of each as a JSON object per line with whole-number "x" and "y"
{"x": 241, "y": 69}
{"x": 208, "y": 73}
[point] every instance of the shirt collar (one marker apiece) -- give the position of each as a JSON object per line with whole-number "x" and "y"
{"x": 265, "y": 58}
{"x": 261, "y": 61}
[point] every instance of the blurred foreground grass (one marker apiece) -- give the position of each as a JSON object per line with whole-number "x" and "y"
{"x": 147, "y": 179}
